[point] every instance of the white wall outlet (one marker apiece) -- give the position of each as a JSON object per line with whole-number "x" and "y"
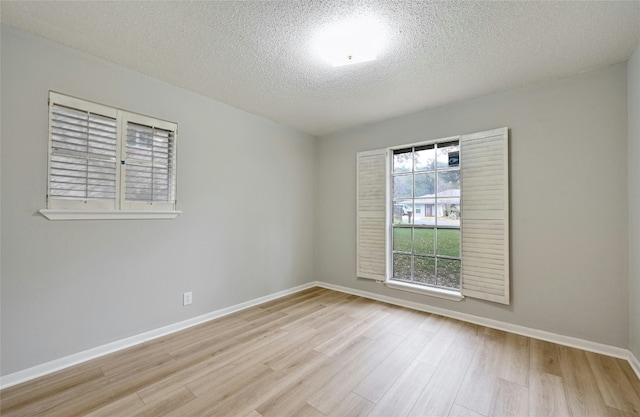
{"x": 186, "y": 298}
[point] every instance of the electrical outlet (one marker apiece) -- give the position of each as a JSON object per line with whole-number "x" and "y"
{"x": 186, "y": 298}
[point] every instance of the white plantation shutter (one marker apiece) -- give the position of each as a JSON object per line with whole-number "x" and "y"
{"x": 149, "y": 164}
{"x": 485, "y": 215}
{"x": 106, "y": 163}
{"x": 82, "y": 156}
{"x": 371, "y": 214}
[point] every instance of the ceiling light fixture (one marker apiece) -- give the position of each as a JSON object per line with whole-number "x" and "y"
{"x": 351, "y": 41}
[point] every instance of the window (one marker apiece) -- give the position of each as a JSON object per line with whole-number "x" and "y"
{"x": 433, "y": 218}
{"x": 108, "y": 163}
{"x": 425, "y": 189}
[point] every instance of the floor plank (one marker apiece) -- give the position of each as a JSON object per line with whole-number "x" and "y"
{"x": 123, "y": 407}
{"x": 546, "y": 395}
{"x": 287, "y": 401}
{"x": 400, "y": 398}
{"x": 376, "y": 384}
{"x": 581, "y": 389}
{"x": 439, "y": 393}
{"x": 352, "y": 406}
{"x": 460, "y": 411}
{"x": 161, "y": 407}
{"x": 510, "y": 400}
{"x": 438, "y": 346}
{"x": 478, "y": 387}
{"x": 613, "y": 384}
{"x": 544, "y": 357}
{"x": 39, "y": 391}
{"x": 351, "y": 375}
{"x": 514, "y": 366}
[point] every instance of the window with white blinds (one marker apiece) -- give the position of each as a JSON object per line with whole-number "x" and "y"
{"x": 102, "y": 158}
{"x": 149, "y": 164}
{"x": 150, "y": 158}
{"x": 83, "y": 155}
{"x": 483, "y": 212}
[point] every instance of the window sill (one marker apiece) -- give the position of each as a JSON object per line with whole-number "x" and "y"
{"x": 419, "y": 289}
{"x": 66, "y": 214}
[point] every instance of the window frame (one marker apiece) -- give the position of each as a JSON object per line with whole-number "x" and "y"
{"x": 118, "y": 207}
{"x": 485, "y": 218}
{"x": 440, "y": 292}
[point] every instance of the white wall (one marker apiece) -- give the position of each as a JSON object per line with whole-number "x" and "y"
{"x": 633, "y": 74}
{"x": 245, "y": 186}
{"x": 569, "y": 221}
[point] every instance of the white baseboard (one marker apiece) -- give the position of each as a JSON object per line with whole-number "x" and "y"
{"x": 77, "y": 358}
{"x": 495, "y": 324}
{"x": 635, "y": 364}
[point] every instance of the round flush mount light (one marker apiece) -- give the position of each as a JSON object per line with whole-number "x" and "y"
{"x": 351, "y": 41}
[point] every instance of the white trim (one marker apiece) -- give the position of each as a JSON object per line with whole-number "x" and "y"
{"x": 424, "y": 290}
{"x": 148, "y": 121}
{"x": 494, "y": 324}
{"x": 69, "y": 214}
{"x": 78, "y": 103}
{"x": 635, "y": 364}
{"x": 426, "y": 142}
{"x": 77, "y": 358}
{"x": 80, "y": 357}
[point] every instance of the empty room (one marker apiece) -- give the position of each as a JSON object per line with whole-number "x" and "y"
{"x": 320, "y": 208}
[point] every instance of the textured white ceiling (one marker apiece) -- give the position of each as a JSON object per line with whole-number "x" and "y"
{"x": 257, "y": 55}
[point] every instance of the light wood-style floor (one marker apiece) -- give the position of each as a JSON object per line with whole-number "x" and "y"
{"x": 325, "y": 353}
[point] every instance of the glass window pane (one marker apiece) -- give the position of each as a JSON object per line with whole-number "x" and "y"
{"x": 402, "y": 186}
{"x": 424, "y": 270}
{"x": 448, "y": 242}
{"x": 449, "y": 183}
{"x": 402, "y": 239}
{"x": 417, "y": 251}
{"x": 402, "y": 160}
{"x": 424, "y": 212}
{"x": 443, "y": 153}
{"x": 424, "y": 158}
{"x": 448, "y": 211}
{"x": 448, "y": 273}
{"x": 403, "y": 212}
{"x": 425, "y": 184}
{"x": 402, "y": 267}
{"x": 423, "y": 241}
